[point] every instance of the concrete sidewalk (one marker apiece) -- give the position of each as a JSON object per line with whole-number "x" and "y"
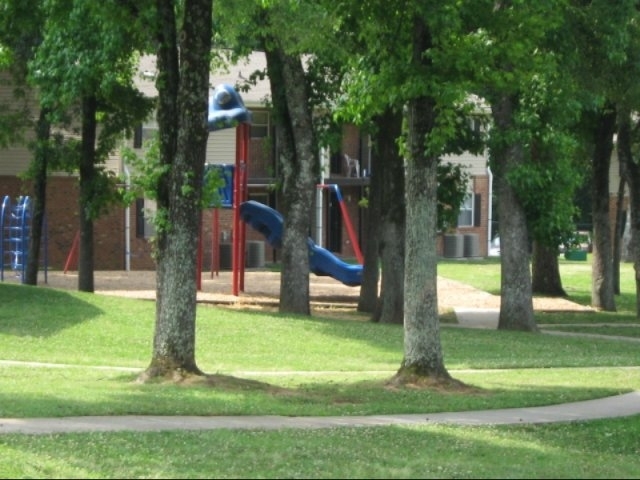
{"x": 488, "y": 318}
{"x": 610, "y": 407}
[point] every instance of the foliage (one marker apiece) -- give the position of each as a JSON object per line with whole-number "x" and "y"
{"x": 86, "y": 51}
{"x": 452, "y": 190}
{"x": 528, "y": 64}
{"x": 20, "y": 22}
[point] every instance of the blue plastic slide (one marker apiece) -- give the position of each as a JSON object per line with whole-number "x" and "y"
{"x": 322, "y": 262}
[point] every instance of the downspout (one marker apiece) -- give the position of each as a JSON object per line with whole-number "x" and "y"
{"x": 320, "y": 197}
{"x": 489, "y": 210}
{"x": 127, "y": 225}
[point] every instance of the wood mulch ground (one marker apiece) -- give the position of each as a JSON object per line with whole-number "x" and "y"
{"x": 261, "y": 289}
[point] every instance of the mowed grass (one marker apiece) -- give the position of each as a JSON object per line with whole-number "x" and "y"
{"x": 89, "y": 350}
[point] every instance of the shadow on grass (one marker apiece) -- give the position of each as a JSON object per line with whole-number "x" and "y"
{"x": 40, "y": 312}
{"x": 436, "y": 452}
{"x": 347, "y": 325}
{"x": 226, "y": 395}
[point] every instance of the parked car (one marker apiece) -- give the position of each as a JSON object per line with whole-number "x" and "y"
{"x": 580, "y": 242}
{"x": 494, "y": 249}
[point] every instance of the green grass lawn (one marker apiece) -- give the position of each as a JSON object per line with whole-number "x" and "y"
{"x": 90, "y": 349}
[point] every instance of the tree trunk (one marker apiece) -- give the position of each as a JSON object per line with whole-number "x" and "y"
{"x": 41, "y": 158}
{"x": 624, "y": 149}
{"x": 423, "y": 357}
{"x": 87, "y": 194}
{"x": 626, "y": 252}
{"x": 602, "y": 290}
{"x": 183, "y": 88}
{"x": 632, "y": 174}
{"x": 299, "y": 165}
{"x": 516, "y": 305}
{"x": 298, "y": 190}
{"x": 545, "y": 276}
{"x": 392, "y": 220}
{"x": 369, "y": 289}
{"x": 619, "y": 230}
{"x": 634, "y": 206}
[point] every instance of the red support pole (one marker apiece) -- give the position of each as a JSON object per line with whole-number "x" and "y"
{"x": 237, "y": 186}
{"x": 73, "y": 252}
{"x": 244, "y": 133}
{"x": 351, "y": 232}
{"x": 347, "y": 221}
{"x": 215, "y": 242}
{"x": 240, "y": 195}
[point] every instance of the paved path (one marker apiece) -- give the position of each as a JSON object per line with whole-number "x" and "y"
{"x": 610, "y": 407}
{"x": 488, "y": 318}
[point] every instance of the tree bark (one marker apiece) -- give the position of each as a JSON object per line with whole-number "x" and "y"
{"x": 617, "y": 237}
{"x": 390, "y": 308}
{"x": 298, "y": 190}
{"x": 41, "y": 160}
{"x": 545, "y": 271}
{"x": 624, "y": 148}
{"x": 87, "y": 193}
{"x": 602, "y": 288}
{"x": 369, "y": 289}
{"x": 183, "y": 88}
{"x": 632, "y": 175}
{"x": 423, "y": 357}
{"x": 516, "y": 306}
{"x": 298, "y": 167}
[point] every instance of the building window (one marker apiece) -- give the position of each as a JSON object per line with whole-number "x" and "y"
{"x": 260, "y": 124}
{"x": 137, "y": 137}
{"x": 465, "y": 217}
{"x": 470, "y": 214}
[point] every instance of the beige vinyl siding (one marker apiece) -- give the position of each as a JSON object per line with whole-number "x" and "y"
{"x": 14, "y": 160}
{"x": 221, "y": 146}
{"x": 476, "y": 165}
{"x": 113, "y": 163}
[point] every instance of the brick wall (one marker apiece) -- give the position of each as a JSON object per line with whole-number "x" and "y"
{"x": 62, "y": 223}
{"x": 480, "y": 185}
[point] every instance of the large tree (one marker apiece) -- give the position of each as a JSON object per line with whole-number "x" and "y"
{"x": 83, "y": 69}
{"x": 20, "y": 27}
{"x": 518, "y": 63}
{"x": 374, "y": 97}
{"x": 391, "y": 222}
{"x": 600, "y": 57}
{"x": 183, "y": 46}
{"x": 291, "y": 36}
{"x": 298, "y": 163}
{"x": 434, "y": 111}
{"x": 627, "y": 97}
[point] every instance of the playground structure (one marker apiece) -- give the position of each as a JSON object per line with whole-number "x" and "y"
{"x": 322, "y": 262}
{"x": 15, "y": 230}
{"x": 227, "y": 110}
{"x": 345, "y": 218}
